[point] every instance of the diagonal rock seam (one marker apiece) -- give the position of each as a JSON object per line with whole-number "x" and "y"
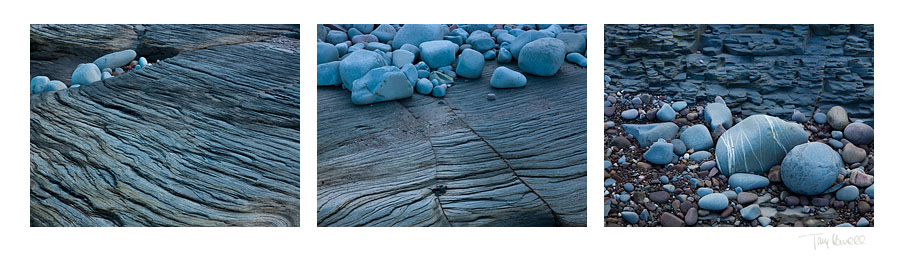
{"x": 436, "y": 164}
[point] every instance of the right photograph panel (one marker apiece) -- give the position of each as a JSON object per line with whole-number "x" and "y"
{"x": 739, "y": 125}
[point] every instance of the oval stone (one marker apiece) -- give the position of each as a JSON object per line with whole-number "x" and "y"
{"x": 507, "y": 78}
{"x": 117, "y": 59}
{"x": 357, "y": 64}
{"x": 748, "y": 181}
{"x": 811, "y": 168}
{"x": 86, "y": 73}
{"x": 697, "y": 137}
{"x": 714, "y": 201}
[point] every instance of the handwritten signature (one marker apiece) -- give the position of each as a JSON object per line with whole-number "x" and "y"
{"x": 820, "y": 240}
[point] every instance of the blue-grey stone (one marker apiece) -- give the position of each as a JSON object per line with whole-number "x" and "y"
{"x": 844, "y": 225}
{"x": 423, "y": 73}
{"x": 731, "y": 194}
{"x": 480, "y": 41}
{"x": 869, "y": 191}
{"x": 798, "y": 117}
{"x": 424, "y": 86}
{"x": 470, "y": 64}
{"x": 75, "y": 86}
{"x": 630, "y": 114}
{"x": 384, "y": 32}
{"x": 542, "y": 57}
{"x": 621, "y": 160}
{"x": 137, "y": 67}
{"x": 607, "y": 164}
{"x": 410, "y": 73}
{"x": 106, "y": 75}
{"x": 697, "y": 137}
{"x": 678, "y": 146}
{"x": 811, "y": 168}
{"x": 836, "y": 134}
{"x": 646, "y": 214}
{"x": 402, "y": 57}
{"x": 439, "y": 91}
{"x": 505, "y": 38}
{"x": 328, "y": 74}
{"x": 628, "y": 187}
{"x": 700, "y": 156}
{"x": 504, "y": 56}
{"x": 357, "y": 64}
{"x": 341, "y": 49}
{"x": 609, "y": 182}
{"x": 119, "y": 70}
{"x": 438, "y": 53}
{"x": 847, "y": 193}
{"x": 489, "y": 55}
{"x": 575, "y": 43}
{"x": 863, "y": 222}
{"x": 38, "y": 83}
{"x": 144, "y": 62}
{"x": 660, "y": 153}
{"x": 680, "y": 105}
{"x": 578, "y": 59}
{"x": 381, "y": 84}
{"x": 859, "y": 133}
{"x": 507, "y": 78}
{"x": 748, "y": 181}
{"x": 379, "y": 46}
{"x": 416, "y": 51}
{"x": 704, "y": 191}
{"x": 114, "y": 60}
{"x": 714, "y": 201}
{"x": 750, "y": 212}
{"x": 669, "y": 188}
{"x": 415, "y": 34}
{"x": 86, "y": 73}
{"x": 666, "y": 113}
{"x": 647, "y": 134}
{"x": 764, "y": 221}
{"x": 664, "y": 180}
{"x": 835, "y": 144}
{"x": 54, "y": 86}
{"x": 756, "y": 144}
{"x": 364, "y": 28}
{"x": 525, "y": 38}
{"x": 353, "y": 32}
{"x": 820, "y": 117}
{"x": 630, "y": 217}
{"x": 707, "y": 165}
{"x": 718, "y": 114}
{"x": 837, "y": 117}
{"x": 422, "y": 66}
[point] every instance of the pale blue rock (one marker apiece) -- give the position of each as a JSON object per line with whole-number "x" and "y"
{"x": 381, "y": 84}
{"x": 847, "y": 193}
{"x": 680, "y": 105}
{"x": 697, "y": 137}
{"x": 836, "y": 134}
{"x": 664, "y": 180}
{"x": 438, "y": 53}
{"x": 75, "y": 86}
{"x": 756, "y": 144}
{"x": 836, "y": 144}
{"x": 609, "y": 182}
{"x": 669, "y": 188}
{"x": 811, "y": 168}
{"x": 704, "y": 191}
{"x": 470, "y": 64}
{"x": 328, "y": 74}
{"x": 489, "y": 55}
{"x": 869, "y": 191}
{"x": 439, "y": 91}
{"x": 114, "y": 60}
{"x": 660, "y": 153}
{"x": 86, "y": 73}
{"x": 424, "y": 86}
{"x": 423, "y": 73}
{"x": 629, "y": 187}
{"x": 820, "y": 117}
{"x": 646, "y": 214}
{"x": 384, "y": 32}
{"x": 718, "y": 114}
{"x": 505, "y": 38}
{"x": 119, "y": 70}
{"x": 38, "y": 83}
{"x": 748, "y": 181}
{"x": 415, "y": 51}
{"x": 137, "y": 67}
{"x": 844, "y": 225}
{"x": 647, "y": 134}
{"x": 504, "y": 56}
{"x": 630, "y": 217}
{"x": 106, "y": 75}
{"x": 630, "y": 114}
{"x": 525, "y": 38}
{"x": 379, "y": 46}
{"x": 750, "y": 212}
{"x": 607, "y": 164}
{"x": 507, "y": 78}
{"x": 352, "y": 33}
{"x": 578, "y": 59}
{"x": 731, "y": 194}
{"x": 666, "y": 113}
{"x": 714, "y": 201}
{"x": 480, "y": 41}
{"x": 700, "y": 156}
{"x": 575, "y": 43}
{"x": 422, "y": 66}
{"x": 764, "y": 221}
{"x": 410, "y": 73}
{"x": 863, "y": 222}
{"x": 542, "y": 57}
{"x": 364, "y": 28}
{"x": 708, "y": 165}
{"x": 402, "y": 57}
{"x": 143, "y": 62}
{"x": 326, "y": 53}
{"x": 54, "y": 86}
{"x": 357, "y": 64}
{"x": 678, "y": 146}
{"x": 415, "y": 34}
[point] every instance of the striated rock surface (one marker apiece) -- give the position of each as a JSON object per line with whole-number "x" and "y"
{"x": 463, "y": 160}
{"x": 756, "y": 144}
{"x": 209, "y": 137}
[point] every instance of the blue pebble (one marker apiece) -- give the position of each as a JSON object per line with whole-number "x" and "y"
{"x": 820, "y": 117}
{"x": 847, "y": 193}
{"x": 621, "y": 160}
{"x": 666, "y": 113}
{"x": 439, "y": 91}
{"x": 630, "y": 217}
{"x": 636, "y": 101}
{"x": 646, "y": 214}
{"x": 624, "y": 197}
{"x": 578, "y": 59}
{"x": 609, "y": 182}
{"x": 738, "y": 190}
{"x": 629, "y": 187}
{"x": 504, "y": 56}
{"x": 630, "y": 114}
{"x": 664, "y": 180}
{"x": 835, "y": 144}
{"x": 764, "y": 221}
{"x": 424, "y": 86}
{"x": 144, "y": 62}
{"x": 660, "y": 153}
{"x": 490, "y": 54}
{"x": 678, "y": 106}
{"x": 870, "y": 191}
{"x": 697, "y": 137}
{"x": 704, "y": 191}
{"x": 837, "y": 134}
{"x": 713, "y": 201}
{"x": 844, "y": 225}
{"x": 750, "y": 212}
{"x": 861, "y": 222}
{"x": 806, "y": 209}
{"x": 748, "y": 181}
{"x": 606, "y": 79}
{"x": 669, "y": 188}
{"x": 693, "y": 181}
{"x": 607, "y": 164}
{"x": 730, "y": 194}
{"x": 700, "y": 156}
{"x": 424, "y": 74}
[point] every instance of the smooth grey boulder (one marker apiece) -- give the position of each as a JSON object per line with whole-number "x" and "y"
{"x": 811, "y": 168}
{"x": 381, "y": 84}
{"x": 647, "y": 134}
{"x": 402, "y": 57}
{"x": 542, "y": 57}
{"x": 717, "y": 114}
{"x": 697, "y": 137}
{"x": 507, "y": 78}
{"x": 328, "y": 74}
{"x": 521, "y": 40}
{"x": 470, "y": 64}
{"x": 325, "y": 53}
{"x": 756, "y": 144}
{"x": 357, "y": 64}
{"x": 415, "y": 34}
{"x": 86, "y": 73}
{"x": 438, "y": 53}
{"x": 384, "y": 33}
{"x": 115, "y": 60}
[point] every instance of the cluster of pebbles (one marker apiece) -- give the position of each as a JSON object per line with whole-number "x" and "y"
{"x": 676, "y": 163}
{"x": 113, "y": 64}
{"x": 388, "y": 61}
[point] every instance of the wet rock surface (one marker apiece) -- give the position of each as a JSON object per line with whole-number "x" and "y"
{"x": 206, "y": 137}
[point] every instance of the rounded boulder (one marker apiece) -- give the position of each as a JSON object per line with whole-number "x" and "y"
{"x": 811, "y": 168}
{"x": 542, "y": 57}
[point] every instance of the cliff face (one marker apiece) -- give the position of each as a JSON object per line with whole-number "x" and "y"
{"x": 462, "y": 160}
{"x": 757, "y": 68}
{"x": 208, "y": 137}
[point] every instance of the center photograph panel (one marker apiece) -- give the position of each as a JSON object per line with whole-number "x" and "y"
{"x": 451, "y": 125}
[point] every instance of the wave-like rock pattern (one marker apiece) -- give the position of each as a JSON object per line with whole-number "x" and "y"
{"x": 459, "y": 161}
{"x": 758, "y": 69}
{"x": 207, "y": 138}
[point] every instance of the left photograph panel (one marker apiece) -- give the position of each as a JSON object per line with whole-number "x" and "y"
{"x": 164, "y": 125}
